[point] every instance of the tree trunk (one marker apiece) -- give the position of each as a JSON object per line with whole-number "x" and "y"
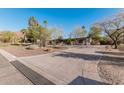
{"x": 85, "y": 42}
{"x": 40, "y": 43}
{"x": 44, "y": 43}
{"x": 24, "y": 38}
{"x": 115, "y": 45}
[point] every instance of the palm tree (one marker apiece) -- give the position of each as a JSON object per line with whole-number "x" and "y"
{"x": 83, "y": 27}
{"x": 24, "y": 32}
{"x": 84, "y": 32}
{"x": 46, "y": 23}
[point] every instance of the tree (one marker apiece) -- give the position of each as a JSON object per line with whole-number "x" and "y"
{"x": 56, "y": 33}
{"x": 24, "y": 32}
{"x": 121, "y": 15}
{"x": 44, "y": 35}
{"x": 32, "y": 22}
{"x": 105, "y": 40}
{"x": 46, "y": 23}
{"x": 113, "y": 27}
{"x": 79, "y": 32}
{"x": 33, "y": 30}
{"x": 95, "y": 34}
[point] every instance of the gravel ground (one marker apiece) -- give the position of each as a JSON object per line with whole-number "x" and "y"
{"x": 111, "y": 73}
{"x": 21, "y": 51}
{"x": 111, "y": 66}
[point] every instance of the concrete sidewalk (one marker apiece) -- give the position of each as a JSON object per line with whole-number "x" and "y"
{"x": 9, "y": 75}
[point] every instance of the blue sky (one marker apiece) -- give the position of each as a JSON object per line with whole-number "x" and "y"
{"x": 65, "y": 18}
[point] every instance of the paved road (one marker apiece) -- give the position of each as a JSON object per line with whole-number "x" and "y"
{"x": 9, "y": 75}
{"x": 72, "y": 66}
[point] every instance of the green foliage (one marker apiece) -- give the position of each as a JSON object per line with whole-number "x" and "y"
{"x": 44, "y": 35}
{"x": 36, "y": 32}
{"x": 105, "y": 40}
{"x": 32, "y": 32}
{"x": 33, "y": 29}
{"x": 45, "y": 22}
{"x": 95, "y": 34}
{"x": 69, "y": 41}
{"x": 32, "y": 22}
{"x": 32, "y": 35}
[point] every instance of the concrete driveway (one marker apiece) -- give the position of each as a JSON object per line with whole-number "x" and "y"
{"x": 72, "y": 66}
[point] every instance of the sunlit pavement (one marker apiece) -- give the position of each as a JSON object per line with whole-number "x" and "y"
{"x": 71, "y": 66}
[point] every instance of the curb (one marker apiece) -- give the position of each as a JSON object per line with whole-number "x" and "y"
{"x": 7, "y": 55}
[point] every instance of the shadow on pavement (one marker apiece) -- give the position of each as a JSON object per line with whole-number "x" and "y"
{"x": 90, "y": 57}
{"x": 111, "y": 53}
{"x": 86, "y": 81}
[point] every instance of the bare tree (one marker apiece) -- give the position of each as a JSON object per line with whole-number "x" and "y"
{"x": 56, "y": 33}
{"x": 79, "y": 32}
{"x": 114, "y": 28}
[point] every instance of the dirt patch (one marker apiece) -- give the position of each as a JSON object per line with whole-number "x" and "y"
{"x": 111, "y": 72}
{"x": 111, "y": 66}
{"x": 21, "y": 51}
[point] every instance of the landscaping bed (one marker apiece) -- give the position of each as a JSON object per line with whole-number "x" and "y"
{"x": 111, "y": 66}
{"x": 111, "y": 73}
{"x": 22, "y": 51}
{"x": 111, "y": 70}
